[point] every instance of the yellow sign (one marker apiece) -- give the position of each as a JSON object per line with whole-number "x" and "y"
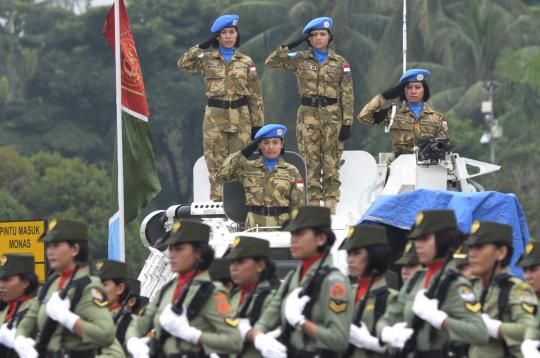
{"x": 21, "y": 237}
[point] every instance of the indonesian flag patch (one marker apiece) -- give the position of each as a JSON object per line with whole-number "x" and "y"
{"x": 346, "y": 67}
{"x": 300, "y": 184}
{"x": 252, "y": 67}
{"x": 347, "y": 75}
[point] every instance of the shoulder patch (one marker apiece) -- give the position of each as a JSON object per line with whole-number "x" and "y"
{"x": 529, "y": 308}
{"x": 201, "y": 55}
{"x": 337, "y": 291}
{"x": 466, "y": 293}
{"x": 220, "y": 297}
{"x": 233, "y": 322}
{"x": 223, "y": 306}
{"x": 252, "y": 67}
{"x": 337, "y": 306}
{"x": 292, "y": 54}
{"x": 98, "y": 298}
{"x": 473, "y": 307}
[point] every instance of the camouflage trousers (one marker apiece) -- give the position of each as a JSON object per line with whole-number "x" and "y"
{"x": 217, "y": 146}
{"x": 319, "y": 146}
{"x": 253, "y": 220}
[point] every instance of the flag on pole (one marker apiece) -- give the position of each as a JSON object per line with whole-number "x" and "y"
{"x": 135, "y": 168}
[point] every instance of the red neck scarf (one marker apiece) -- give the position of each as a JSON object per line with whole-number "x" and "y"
{"x": 183, "y": 278}
{"x": 244, "y": 291}
{"x": 307, "y": 263}
{"x": 114, "y": 307}
{"x": 13, "y": 304}
{"x": 363, "y": 284}
{"x": 432, "y": 270}
{"x": 64, "y": 277}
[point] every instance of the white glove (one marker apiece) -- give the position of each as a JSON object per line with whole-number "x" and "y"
{"x": 178, "y": 325}
{"x": 269, "y": 346}
{"x": 396, "y": 335}
{"x": 492, "y": 325}
{"x": 7, "y": 336}
{"x": 244, "y": 327}
{"x": 428, "y": 309}
{"x": 294, "y": 306}
{"x": 529, "y": 348}
{"x": 24, "y": 347}
{"x": 58, "y": 310}
{"x": 138, "y": 347}
{"x": 360, "y": 337}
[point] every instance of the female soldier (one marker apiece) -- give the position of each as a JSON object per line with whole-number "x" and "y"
{"x": 235, "y": 105}
{"x": 79, "y": 324}
{"x": 325, "y": 116}
{"x": 368, "y": 257}
{"x": 509, "y": 304}
{"x": 314, "y": 301}
{"x": 273, "y": 187}
{"x": 17, "y": 285}
{"x": 415, "y": 118}
{"x": 191, "y": 314}
{"x": 253, "y": 273}
{"x": 439, "y": 326}
{"x": 409, "y": 262}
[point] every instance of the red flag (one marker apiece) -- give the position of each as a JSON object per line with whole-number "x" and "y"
{"x": 133, "y": 94}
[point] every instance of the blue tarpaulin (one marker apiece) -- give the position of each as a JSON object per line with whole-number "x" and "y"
{"x": 400, "y": 211}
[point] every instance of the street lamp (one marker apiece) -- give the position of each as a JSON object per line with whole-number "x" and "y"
{"x": 494, "y": 129}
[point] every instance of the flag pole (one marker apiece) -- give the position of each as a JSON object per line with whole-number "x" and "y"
{"x": 404, "y": 36}
{"x": 119, "y": 149}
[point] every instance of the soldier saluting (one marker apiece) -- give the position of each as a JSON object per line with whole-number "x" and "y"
{"x": 234, "y": 111}
{"x": 414, "y": 119}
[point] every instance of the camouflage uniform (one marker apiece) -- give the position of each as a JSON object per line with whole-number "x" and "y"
{"x": 279, "y": 188}
{"x": 317, "y": 128}
{"x": 406, "y": 128}
{"x": 225, "y": 131}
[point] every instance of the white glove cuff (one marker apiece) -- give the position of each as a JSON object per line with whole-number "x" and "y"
{"x": 437, "y": 319}
{"x": 69, "y": 320}
{"x": 493, "y": 328}
{"x": 196, "y": 335}
{"x": 386, "y": 334}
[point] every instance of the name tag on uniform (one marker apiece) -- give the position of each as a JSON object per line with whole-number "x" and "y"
{"x": 308, "y": 66}
{"x": 254, "y": 174}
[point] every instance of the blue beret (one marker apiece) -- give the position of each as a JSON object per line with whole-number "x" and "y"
{"x": 229, "y": 20}
{"x": 271, "y": 131}
{"x": 320, "y": 23}
{"x": 415, "y": 75}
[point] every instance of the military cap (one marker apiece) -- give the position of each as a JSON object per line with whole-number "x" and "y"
{"x": 320, "y": 23}
{"x": 531, "y": 256}
{"x": 247, "y": 246}
{"x": 65, "y": 230}
{"x": 219, "y": 269}
{"x": 16, "y": 264}
{"x": 229, "y": 20}
{"x": 415, "y": 75}
{"x": 134, "y": 286}
{"x": 461, "y": 257}
{"x": 109, "y": 270}
{"x": 409, "y": 257}
{"x": 364, "y": 235}
{"x": 308, "y": 217}
{"x": 432, "y": 221}
{"x": 271, "y": 131}
{"x": 487, "y": 232}
{"x": 186, "y": 231}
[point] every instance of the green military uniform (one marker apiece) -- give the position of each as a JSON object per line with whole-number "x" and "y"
{"x": 332, "y": 303}
{"x": 458, "y": 301}
{"x": 281, "y": 188}
{"x": 378, "y": 295}
{"x": 250, "y": 305}
{"x": 235, "y": 85}
{"x": 406, "y": 128}
{"x": 214, "y": 317}
{"x": 508, "y": 299}
{"x": 13, "y": 312}
{"x": 97, "y": 328}
{"x": 327, "y": 92}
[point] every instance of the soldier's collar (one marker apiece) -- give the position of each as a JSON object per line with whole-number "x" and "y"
{"x": 428, "y": 108}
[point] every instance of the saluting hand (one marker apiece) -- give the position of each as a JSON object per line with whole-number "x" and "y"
{"x": 206, "y": 44}
{"x": 395, "y": 91}
{"x": 297, "y": 42}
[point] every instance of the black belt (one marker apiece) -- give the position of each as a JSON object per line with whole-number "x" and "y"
{"x": 434, "y": 353}
{"x": 218, "y": 103}
{"x": 187, "y": 355}
{"x": 87, "y": 353}
{"x": 319, "y": 353}
{"x": 319, "y": 101}
{"x": 268, "y": 210}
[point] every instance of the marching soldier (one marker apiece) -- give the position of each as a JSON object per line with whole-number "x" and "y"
{"x": 414, "y": 119}
{"x": 508, "y": 304}
{"x": 530, "y": 261}
{"x": 253, "y": 273}
{"x": 17, "y": 285}
{"x": 409, "y": 262}
{"x": 436, "y": 312}
{"x": 219, "y": 271}
{"x": 326, "y": 113}
{"x": 234, "y": 111}
{"x": 191, "y": 315}
{"x": 273, "y": 187}
{"x": 136, "y": 302}
{"x": 368, "y": 258}
{"x": 313, "y": 305}
{"x": 70, "y": 317}
{"x": 530, "y": 348}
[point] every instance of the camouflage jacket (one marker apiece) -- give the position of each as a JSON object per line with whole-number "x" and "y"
{"x": 227, "y": 81}
{"x": 332, "y": 78}
{"x": 406, "y": 128}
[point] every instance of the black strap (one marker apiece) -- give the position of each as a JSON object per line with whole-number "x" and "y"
{"x": 268, "y": 210}
{"x": 381, "y": 298}
{"x": 505, "y": 284}
{"x": 319, "y": 101}
{"x": 123, "y": 322}
{"x": 257, "y": 307}
{"x": 203, "y": 294}
{"x": 317, "y": 285}
{"x": 163, "y": 290}
{"x": 45, "y": 288}
{"x": 442, "y": 293}
{"x": 219, "y": 103}
{"x": 412, "y": 281}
